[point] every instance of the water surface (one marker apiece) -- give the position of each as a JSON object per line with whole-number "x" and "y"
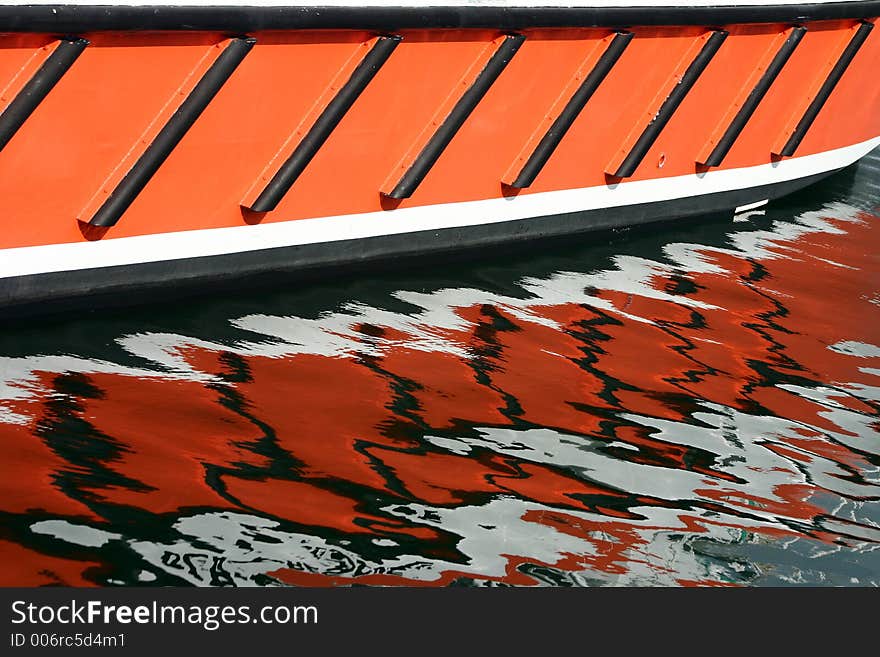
{"x": 689, "y": 403}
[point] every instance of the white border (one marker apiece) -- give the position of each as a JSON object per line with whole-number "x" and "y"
{"x": 24, "y": 261}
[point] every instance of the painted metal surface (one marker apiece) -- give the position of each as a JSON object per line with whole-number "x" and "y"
{"x": 198, "y": 198}
{"x": 742, "y": 109}
{"x": 343, "y": 98}
{"x": 54, "y": 61}
{"x": 682, "y": 83}
{"x": 825, "y": 91}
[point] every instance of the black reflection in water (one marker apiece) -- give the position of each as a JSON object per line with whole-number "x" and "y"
{"x": 682, "y": 404}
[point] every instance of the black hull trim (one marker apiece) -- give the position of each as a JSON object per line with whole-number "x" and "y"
{"x": 172, "y": 132}
{"x": 126, "y": 285}
{"x": 824, "y": 94}
{"x": 61, "y": 18}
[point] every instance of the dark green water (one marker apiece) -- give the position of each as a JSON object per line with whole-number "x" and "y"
{"x": 690, "y": 403}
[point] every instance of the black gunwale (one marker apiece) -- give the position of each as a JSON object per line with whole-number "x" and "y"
{"x": 67, "y": 18}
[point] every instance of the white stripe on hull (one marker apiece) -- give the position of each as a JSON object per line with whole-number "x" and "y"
{"x": 48, "y": 258}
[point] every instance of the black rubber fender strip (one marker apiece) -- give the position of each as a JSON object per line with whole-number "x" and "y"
{"x": 337, "y": 108}
{"x": 38, "y": 87}
{"x": 716, "y": 157}
{"x": 670, "y": 105}
{"x": 572, "y": 110}
{"x": 172, "y": 132}
{"x": 456, "y": 118}
{"x": 843, "y": 62}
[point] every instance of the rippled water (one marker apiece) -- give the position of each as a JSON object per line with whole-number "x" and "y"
{"x": 691, "y": 403}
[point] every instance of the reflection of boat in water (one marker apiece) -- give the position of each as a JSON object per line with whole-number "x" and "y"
{"x": 163, "y": 142}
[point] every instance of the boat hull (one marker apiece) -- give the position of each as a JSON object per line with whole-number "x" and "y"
{"x": 131, "y": 158}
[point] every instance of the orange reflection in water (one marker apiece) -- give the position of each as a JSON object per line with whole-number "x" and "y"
{"x": 576, "y": 434}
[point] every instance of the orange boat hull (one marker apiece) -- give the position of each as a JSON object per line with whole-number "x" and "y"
{"x": 197, "y": 215}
